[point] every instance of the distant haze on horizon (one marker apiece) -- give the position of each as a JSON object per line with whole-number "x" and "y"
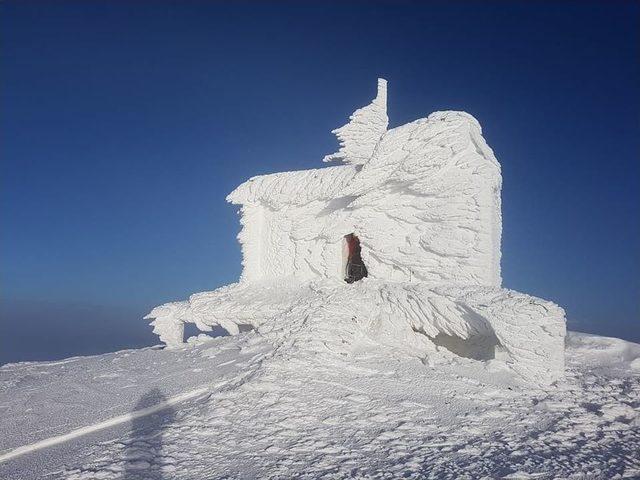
{"x": 125, "y": 125}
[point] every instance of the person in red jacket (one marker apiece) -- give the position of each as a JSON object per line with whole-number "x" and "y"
{"x": 355, "y": 266}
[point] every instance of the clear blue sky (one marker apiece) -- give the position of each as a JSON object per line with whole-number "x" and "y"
{"x": 125, "y": 124}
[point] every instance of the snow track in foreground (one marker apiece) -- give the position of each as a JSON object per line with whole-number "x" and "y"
{"x": 112, "y": 422}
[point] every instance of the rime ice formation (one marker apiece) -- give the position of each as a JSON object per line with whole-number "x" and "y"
{"x": 424, "y": 201}
{"x": 359, "y": 138}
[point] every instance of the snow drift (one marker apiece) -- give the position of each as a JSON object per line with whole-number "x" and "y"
{"x": 424, "y": 202}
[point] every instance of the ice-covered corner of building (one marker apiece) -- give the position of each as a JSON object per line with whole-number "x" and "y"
{"x": 409, "y": 216}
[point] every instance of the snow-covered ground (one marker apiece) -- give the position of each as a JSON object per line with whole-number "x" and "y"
{"x": 246, "y": 406}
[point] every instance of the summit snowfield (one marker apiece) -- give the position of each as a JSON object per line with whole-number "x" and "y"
{"x": 244, "y": 407}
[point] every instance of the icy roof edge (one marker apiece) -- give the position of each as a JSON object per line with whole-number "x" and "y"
{"x": 293, "y": 187}
{"x": 323, "y": 182}
{"x": 444, "y": 115}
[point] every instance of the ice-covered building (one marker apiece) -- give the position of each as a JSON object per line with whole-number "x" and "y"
{"x": 423, "y": 199}
{"x": 416, "y": 210}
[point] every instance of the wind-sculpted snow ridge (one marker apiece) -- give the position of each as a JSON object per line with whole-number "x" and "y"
{"x": 321, "y": 317}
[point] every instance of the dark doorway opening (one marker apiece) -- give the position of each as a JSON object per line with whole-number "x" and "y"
{"x": 355, "y": 269}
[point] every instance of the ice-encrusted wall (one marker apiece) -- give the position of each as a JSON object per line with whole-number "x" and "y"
{"x": 424, "y": 199}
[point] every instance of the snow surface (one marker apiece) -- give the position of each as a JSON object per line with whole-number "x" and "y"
{"x": 245, "y": 407}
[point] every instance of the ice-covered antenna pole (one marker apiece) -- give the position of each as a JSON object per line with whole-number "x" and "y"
{"x": 381, "y": 97}
{"x": 359, "y": 137}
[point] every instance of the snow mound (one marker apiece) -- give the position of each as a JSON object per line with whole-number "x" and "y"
{"x": 604, "y": 351}
{"x": 331, "y": 317}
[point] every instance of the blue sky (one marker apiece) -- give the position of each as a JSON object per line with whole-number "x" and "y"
{"x": 125, "y": 124}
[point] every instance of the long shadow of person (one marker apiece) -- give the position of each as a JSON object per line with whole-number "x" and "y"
{"x": 143, "y": 456}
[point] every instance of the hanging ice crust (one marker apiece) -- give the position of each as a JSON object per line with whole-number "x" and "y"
{"x": 424, "y": 201}
{"x": 359, "y": 137}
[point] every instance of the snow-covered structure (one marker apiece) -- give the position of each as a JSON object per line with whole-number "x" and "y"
{"x": 423, "y": 202}
{"x": 423, "y": 198}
